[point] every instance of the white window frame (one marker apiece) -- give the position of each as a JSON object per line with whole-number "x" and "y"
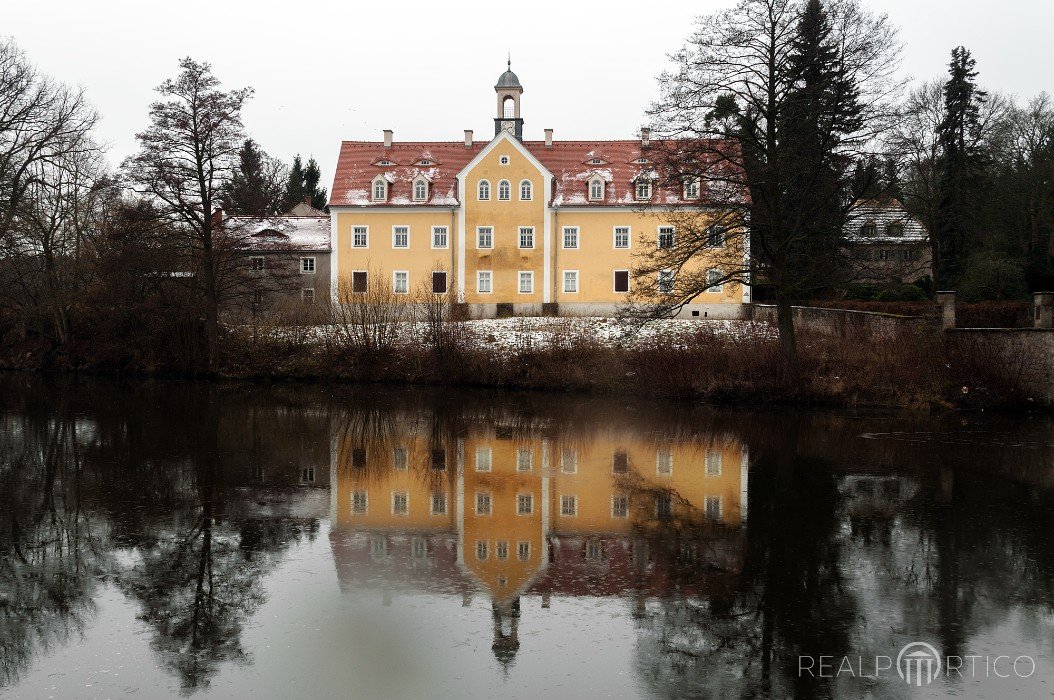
{"x": 395, "y": 281}
{"x": 637, "y": 190}
{"x": 629, "y": 282}
{"x": 400, "y": 449}
{"x": 483, "y": 191}
{"x": 520, "y": 278}
{"x": 662, "y": 231}
{"x": 307, "y": 295}
{"x": 424, "y": 182}
{"x": 564, "y": 500}
{"x": 394, "y": 234}
{"x": 709, "y": 232}
{"x": 615, "y": 234}
{"x": 481, "y": 498}
{"x": 574, "y": 461}
{"x": 664, "y": 281}
{"x": 489, "y": 451}
{"x": 530, "y": 504}
{"x": 504, "y": 160}
{"x": 574, "y": 278}
{"x": 446, "y": 237}
{"x": 662, "y": 456}
{"x": 529, "y": 190}
{"x": 365, "y": 502}
{"x": 714, "y": 288}
{"x": 482, "y": 550}
{"x": 432, "y": 503}
{"x": 501, "y": 551}
{"x": 714, "y": 462}
{"x": 504, "y": 190}
{"x": 529, "y": 230}
{"x": 523, "y": 550}
{"x": 314, "y": 266}
{"x": 488, "y": 275}
{"x": 479, "y": 232}
{"x": 625, "y": 501}
{"x": 383, "y": 182}
{"x": 720, "y": 508}
{"x": 522, "y": 452}
{"x": 689, "y": 183}
{"x": 406, "y": 497}
{"x": 365, "y": 232}
{"x": 576, "y": 232}
{"x": 600, "y": 184}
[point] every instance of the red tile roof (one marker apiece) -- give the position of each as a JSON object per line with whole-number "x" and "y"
{"x": 568, "y": 161}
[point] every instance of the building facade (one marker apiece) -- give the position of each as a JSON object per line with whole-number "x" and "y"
{"x": 508, "y": 226}
{"x": 887, "y": 245}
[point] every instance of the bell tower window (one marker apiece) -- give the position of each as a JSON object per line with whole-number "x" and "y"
{"x": 508, "y": 91}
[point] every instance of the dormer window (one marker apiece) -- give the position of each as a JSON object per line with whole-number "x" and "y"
{"x": 869, "y": 230}
{"x": 383, "y": 162}
{"x": 483, "y": 191}
{"x": 420, "y": 189}
{"x": 641, "y": 160}
{"x": 691, "y": 188}
{"x": 504, "y": 191}
{"x": 380, "y": 189}
{"x": 643, "y": 189}
{"x": 424, "y": 162}
{"x": 895, "y": 230}
{"x": 596, "y": 161}
{"x": 596, "y": 189}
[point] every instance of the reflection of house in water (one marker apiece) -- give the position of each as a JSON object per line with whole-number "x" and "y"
{"x": 509, "y": 513}
{"x": 872, "y": 501}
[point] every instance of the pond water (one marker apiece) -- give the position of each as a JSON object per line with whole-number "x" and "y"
{"x": 242, "y": 541}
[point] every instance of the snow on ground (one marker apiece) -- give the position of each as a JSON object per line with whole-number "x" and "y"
{"x": 527, "y": 332}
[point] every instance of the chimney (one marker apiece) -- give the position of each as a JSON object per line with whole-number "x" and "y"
{"x": 548, "y": 138}
{"x": 645, "y": 136}
{"x": 387, "y": 138}
{"x": 468, "y": 138}
{"x": 307, "y": 199}
{"x": 217, "y": 217}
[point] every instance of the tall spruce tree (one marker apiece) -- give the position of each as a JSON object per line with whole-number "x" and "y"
{"x": 302, "y": 185}
{"x": 294, "y": 188}
{"x": 962, "y": 165}
{"x": 255, "y": 187}
{"x": 312, "y": 176}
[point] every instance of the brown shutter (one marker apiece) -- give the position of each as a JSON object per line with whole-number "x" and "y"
{"x": 439, "y": 283}
{"x": 359, "y": 282}
{"x": 621, "y": 280}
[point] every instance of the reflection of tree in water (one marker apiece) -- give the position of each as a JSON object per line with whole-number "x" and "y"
{"x": 789, "y": 598}
{"x": 52, "y": 550}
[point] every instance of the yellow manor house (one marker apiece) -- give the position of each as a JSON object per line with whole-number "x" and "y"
{"x": 508, "y": 226}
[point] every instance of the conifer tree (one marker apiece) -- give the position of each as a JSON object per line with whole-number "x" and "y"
{"x": 312, "y": 176}
{"x": 962, "y": 165}
{"x": 255, "y": 187}
{"x": 294, "y": 188}
{"x": 302, "y": 185}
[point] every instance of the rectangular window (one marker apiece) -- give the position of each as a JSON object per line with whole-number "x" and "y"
{"x": 400, "y": 459}
{"x": 643, "y": 189}
{"x": 439, "y": 282}
{"x": 438, "y": 503}
{"x": 484, "y": 459}
{"x": 715, "y": 236}
{"x": 360, "y": 502}
{"x": 713, "y": 279}
{"x": 526, "y": 236}
{"x": 622, "y": 237}
{"x": 713, "y": 507}
{"x": 622, "y": 281}
{"x": 440, "y": 237}
{"x": 358, "y": 458}
{"x": 570, "y": 236}
{"x": 484, "y": 236}
{"x": 691, "y": 188}
{"x": 713, "y": 463}
{"x": 666, "y": 236}
{"x": 665, "y": 282}
{"x": 526, "y": 282}
{"x": 501, "y": 550}
{"x": 400, "y": 236}
{"x": 379, "y": 546}
{"x": 483, "y": 282}
{"x": 481, "y": 550}
{"x": 482, "y": 504}
{"x": 663, "y": 506}
{"x": 523, "y": 550}
{"x": 620, "y": 462}
{"x": 664, "y": 462}
{"x": 524, "y": 504}
{"x": 524, "y": 459}
{"x": 569, "y": 506}
{"x": 439, "y": 459}
{"x": 571, "y": 281}
{"x": 400, "y": 503}
{"x": 569, "y": 461}
{"x": 360, "y": 237}
{"x": 418, "y": 548}
{"x": 307, "y": 475}
{"x": 256, "y": 263}
{"x": 307, "y": 295}
{"x": 307, "y": 266}
{"x": 359, "y": 282}
{"x": 596, "y": 189}
{"x": 594, "y": 550}
{"x": 401, "y": 282}
{"x": 619, "y": 506}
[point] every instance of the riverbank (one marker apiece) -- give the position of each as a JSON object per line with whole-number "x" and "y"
{"x": 719, "y": 362}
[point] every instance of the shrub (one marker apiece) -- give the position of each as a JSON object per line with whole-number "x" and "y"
{"x": 989, "y": 277}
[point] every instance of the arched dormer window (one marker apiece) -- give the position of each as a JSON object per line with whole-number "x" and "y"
{"x": 483, "y": 192}
{"x": 869, "y": 229}
{"x": 691, "y": 188}
{"x": 596, "y": 189}
{"x": 504, "y": 190}
{"x": 526, "y": 190}
{"x": 643, "y": 188}
{"x": 380, "y": 189}
{"x": 420, "y": 189}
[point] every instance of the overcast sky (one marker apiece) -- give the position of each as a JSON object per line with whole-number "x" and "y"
{"x": 347, "y": 70}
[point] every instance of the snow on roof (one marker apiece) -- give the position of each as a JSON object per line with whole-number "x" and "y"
{"x": 282, "y": 233}
{"x": 883, "y": 213}
{"x": 566, "y": 160}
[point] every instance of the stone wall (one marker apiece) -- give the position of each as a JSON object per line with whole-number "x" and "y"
{"x": 1030, "y": 349}
{"x": 841, "y": 322}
